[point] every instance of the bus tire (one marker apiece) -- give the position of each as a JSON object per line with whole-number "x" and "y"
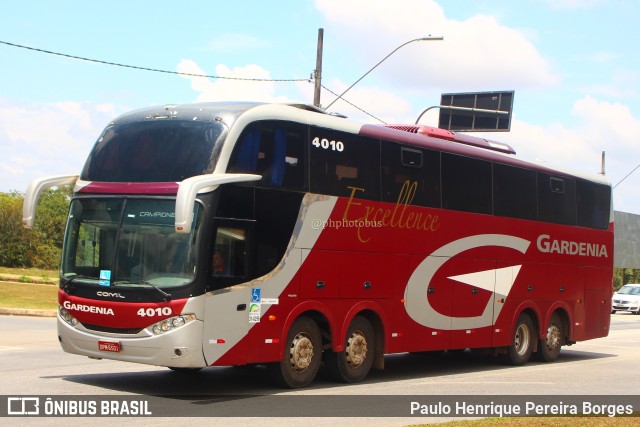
{"x": 519, "y": 352}
{"x": 302, "y": 356}
{"x": 186, "y": 371}
{"x": 549, "y": 347}
{"x": 354, "y": 362}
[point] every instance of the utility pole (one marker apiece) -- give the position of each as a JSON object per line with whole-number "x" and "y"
{"x": 318, "y": 71}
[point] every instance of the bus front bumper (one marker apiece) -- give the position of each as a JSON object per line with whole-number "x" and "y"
{"x": 179, "y": 348}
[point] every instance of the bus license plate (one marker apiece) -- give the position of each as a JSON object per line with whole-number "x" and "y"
{"x": 113, "y": 347}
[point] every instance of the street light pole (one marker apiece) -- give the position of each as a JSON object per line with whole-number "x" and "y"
{"x": 383, "y": 59}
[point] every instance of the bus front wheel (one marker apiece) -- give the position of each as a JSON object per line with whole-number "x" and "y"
{"x": 519, "y": 352}
{"x": 301, "y": 357}
{"x": 353, "y": 363}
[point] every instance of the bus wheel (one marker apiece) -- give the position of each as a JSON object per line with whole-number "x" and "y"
{"x": 354, "y": 362}
{"x": 549, "y": 348}
{"x": 302, "y": 355}
{"x": 519, "y": 352}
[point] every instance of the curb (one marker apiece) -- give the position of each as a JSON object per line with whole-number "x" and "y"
{"x": 27, "y": 312}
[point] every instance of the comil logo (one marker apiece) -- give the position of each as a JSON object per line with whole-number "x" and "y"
{"x": 109, "y": 294}
{"x": 23, "y": 406}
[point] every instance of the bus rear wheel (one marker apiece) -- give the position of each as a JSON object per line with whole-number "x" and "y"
{"x": 302, "y": 355}
{"x": 519, "y": 352}
{"x": 549, "y": 348}
{"x": 354, "y": 362}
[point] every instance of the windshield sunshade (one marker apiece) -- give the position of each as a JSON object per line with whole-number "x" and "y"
{"x": 154, "y": 151}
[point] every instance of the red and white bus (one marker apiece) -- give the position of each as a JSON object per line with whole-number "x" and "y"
{"x": 233, "y": 233}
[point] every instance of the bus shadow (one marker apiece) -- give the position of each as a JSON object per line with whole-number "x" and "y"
{"x": 231, "y": 383}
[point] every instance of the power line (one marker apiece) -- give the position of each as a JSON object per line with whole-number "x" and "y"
{"x": 353, "y": 105}
{"x": 626, "y": 176}
{"x": 156, "y": 70}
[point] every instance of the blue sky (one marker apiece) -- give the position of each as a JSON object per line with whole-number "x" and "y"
{"x": 572, "y": 63}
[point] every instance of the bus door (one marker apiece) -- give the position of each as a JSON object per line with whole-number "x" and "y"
{"x": 597, "y": 303}
{"x": 227, "y": 302}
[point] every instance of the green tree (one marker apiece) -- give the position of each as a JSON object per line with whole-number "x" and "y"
{"x": 51, "y": 218}
{"x": 623, "y": 276}
{"x": 41, "y": 246}
{"x": 16, "y": 243}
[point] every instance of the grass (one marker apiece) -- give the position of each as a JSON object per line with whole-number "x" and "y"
{"x": 28, "y": 275}
{"x": 36, "y": 289}
{"x": 29, "y": 296}
{"x": 30, "y": 272}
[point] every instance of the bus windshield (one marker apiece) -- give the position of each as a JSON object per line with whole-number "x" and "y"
{"x": 154, "y": 151}
{"x": 128, "y": 242}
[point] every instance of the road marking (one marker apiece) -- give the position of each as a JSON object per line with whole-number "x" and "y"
{"x": 611, "y": 346}
{"x": 7, "y": 348}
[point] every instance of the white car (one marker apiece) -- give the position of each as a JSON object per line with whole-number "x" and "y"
{"x": 627, "y": 299}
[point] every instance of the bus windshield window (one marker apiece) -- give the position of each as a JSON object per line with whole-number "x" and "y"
{"x": 113, "y": 242}
{"x": 154, "y": 151}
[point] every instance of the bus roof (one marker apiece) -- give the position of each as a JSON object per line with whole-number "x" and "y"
{"x": 475, "y": 149}
{"x": 205, "y": 111}
{"x": 416, "y": 135}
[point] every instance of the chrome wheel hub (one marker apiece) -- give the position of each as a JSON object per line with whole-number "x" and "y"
{"x": 300, "y": 353}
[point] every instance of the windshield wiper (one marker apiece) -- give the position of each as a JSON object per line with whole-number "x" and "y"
{"x": 165, "y": 296}
{"x": 69, "y": 286}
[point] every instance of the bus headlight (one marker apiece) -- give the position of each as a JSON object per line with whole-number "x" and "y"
{"x": 66, "y": 316}
{"x": 171, "y": 323}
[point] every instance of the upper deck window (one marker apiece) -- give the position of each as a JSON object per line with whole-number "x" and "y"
{"x": 556, "y": 199}
{"x": 466, "y": 184}
{"x": 344, "y": 164}
{"x": 404, "y": 166}
{"x": 154, "y": 151}
{"x": 273, "y": 150}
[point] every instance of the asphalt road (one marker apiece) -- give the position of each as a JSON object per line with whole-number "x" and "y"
{"x": 33, "y": 364}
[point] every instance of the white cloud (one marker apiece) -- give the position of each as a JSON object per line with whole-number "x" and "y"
{"x": 381, "y": 104}
{"x": 602, "y": 126}
{"x": 229, "y": 89}
{"x": 46, "y": 139}
{"x": 478, "y": 53}
{"x": 623, "y": 85}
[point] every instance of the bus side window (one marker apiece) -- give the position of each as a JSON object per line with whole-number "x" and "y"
{"x": 514, "y": 192}
{"x": 344, "y": 164}
{"x": 419, "y": 167}
{"x": 466, "y": 184}
{"x": 593, "y": 204}
{"x": 556, "y": 199}
{"x": 273, "y": 150}
{"x": 228, "y": 264}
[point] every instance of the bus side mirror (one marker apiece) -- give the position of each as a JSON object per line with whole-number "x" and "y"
{"x": 34, "y": 191}
{"x": 189, "y": 188}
